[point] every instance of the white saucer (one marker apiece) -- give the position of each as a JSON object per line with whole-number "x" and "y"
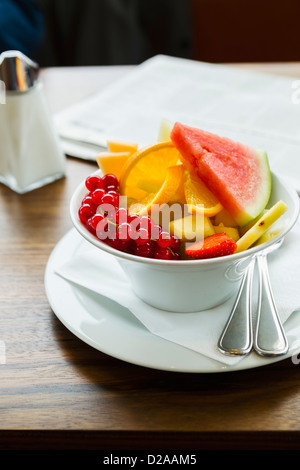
{"x": 113, "y": 330}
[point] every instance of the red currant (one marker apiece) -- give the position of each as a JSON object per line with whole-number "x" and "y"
{"x": 116, "y": 196}
{"x": 176, "y": 243}
{"x": 144, "y": 250}
{"x": 142, "y": 237}
{"x": 122, "y": 215}
{"x": 155, "y": 231}
{"x": 102, "y": 231}
{"x": 118, "y": 244}
{"x": 146, "y": 222}
{"x": 164, "y": 239}
{"x": 93, "y": 182}
{"x": 134, "y": 218}
{"x": 109, "y": 198}
{"x": 110, "y": 182}
{"x": 124, "y": 231}
{"x": 134, "y": 221}
{"x": 85, "y": 212}
{"x": 95, "y": 219}
{"x": 162, "y": 253}
{"x": 97, "y": 196}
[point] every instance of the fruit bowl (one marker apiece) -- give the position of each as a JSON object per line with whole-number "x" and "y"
{"x": 189, "y": 285}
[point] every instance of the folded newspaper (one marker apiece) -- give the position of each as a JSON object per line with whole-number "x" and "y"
{"x": 258, "y": 109}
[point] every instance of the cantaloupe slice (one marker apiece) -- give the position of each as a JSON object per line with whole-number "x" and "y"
{"x": 112, "y": 162}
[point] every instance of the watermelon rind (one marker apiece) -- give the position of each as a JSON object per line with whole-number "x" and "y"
{"x": 218, "y": 167}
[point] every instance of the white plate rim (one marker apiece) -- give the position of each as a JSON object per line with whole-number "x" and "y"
{"x": 145, "y": 349}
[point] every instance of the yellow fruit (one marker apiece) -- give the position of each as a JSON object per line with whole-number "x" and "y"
{"x": 223, "y": 217}
{"x": 247, "y": 227}
{"x": 261, "y": 226}
{"x": 269, "y": 235}
{"x": 117, "y": 155}
{"x": 153, "y": 201}
{"x": 232, "y": 232}
{"x": 112, "y": 162}
{"x": 164, "y": 130}
{"x": 199, "y": 198}
{"x": 120, "y": 146}
{"x": 192, "y": 227}
{"x": 146, "y": 170}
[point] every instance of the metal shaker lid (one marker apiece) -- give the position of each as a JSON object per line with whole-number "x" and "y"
{"x": 17, "y": 71}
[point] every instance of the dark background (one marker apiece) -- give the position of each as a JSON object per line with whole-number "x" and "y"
{"x": 125, "y": 32}
{"x": 112, "y": 32}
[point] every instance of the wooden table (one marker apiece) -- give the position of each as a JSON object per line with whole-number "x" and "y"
{"x": 56, "y": 392}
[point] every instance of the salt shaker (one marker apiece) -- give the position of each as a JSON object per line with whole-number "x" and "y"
{"x": 30, "y": 153}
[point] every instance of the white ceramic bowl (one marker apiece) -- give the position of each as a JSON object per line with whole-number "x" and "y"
{"x": 189, "y": 285}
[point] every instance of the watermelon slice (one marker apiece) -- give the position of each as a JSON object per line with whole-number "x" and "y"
{"x": 238, "y": 175}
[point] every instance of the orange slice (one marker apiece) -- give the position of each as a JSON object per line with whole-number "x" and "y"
{"x": 153, "y": 201}
{"x": 145, "y": 171}
{"x": 199, "y": 198}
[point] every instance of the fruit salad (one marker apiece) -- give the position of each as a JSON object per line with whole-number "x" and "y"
{"x": 191, "y": 195}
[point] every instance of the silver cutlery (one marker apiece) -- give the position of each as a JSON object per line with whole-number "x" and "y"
{"x": 269, "y": 338}
{"x": 237, "y": 336}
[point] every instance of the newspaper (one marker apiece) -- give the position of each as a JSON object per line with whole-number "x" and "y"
{"x": 260, "y": 110}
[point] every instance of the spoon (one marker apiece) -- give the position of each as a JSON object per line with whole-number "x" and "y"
{"x": 237, "y": 337}
{"x": 270, "y": 338}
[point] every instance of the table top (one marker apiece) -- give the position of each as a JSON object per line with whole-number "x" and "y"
{"x": 57, "y": 392}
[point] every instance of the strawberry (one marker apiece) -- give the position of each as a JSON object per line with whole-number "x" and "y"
{"x": 212, "y": 246}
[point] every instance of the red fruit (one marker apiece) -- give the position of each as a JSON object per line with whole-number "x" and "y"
{"x": 162, "y": 253}
{"x": 176, "y": 243}
{"x": 97, "y": 196}
{"x": 146, "y": 222}
{"x": 110, "y": 182}
{"x": 164, "y": 239}
{"x": 124, "y": 231}
{"x": 93, "y": 182}
{"x": 213, "y": 246}
{"x": 95, "y": 219}
{"x": 109, "y": 199}
{"x": 155, "y": 231}
{"x": 122, "y": 215}
{"x": 145, "y": 251}
{"x": 85, "y": 212}
{"x": 102, "y": 231}
{"x": 120, "y": 245}
{"x": 142, "y": 236}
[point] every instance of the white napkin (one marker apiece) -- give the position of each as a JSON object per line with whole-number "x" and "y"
{"x": 100, "y": 272}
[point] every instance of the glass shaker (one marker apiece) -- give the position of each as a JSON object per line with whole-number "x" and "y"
{"x": 30, "y": 153}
